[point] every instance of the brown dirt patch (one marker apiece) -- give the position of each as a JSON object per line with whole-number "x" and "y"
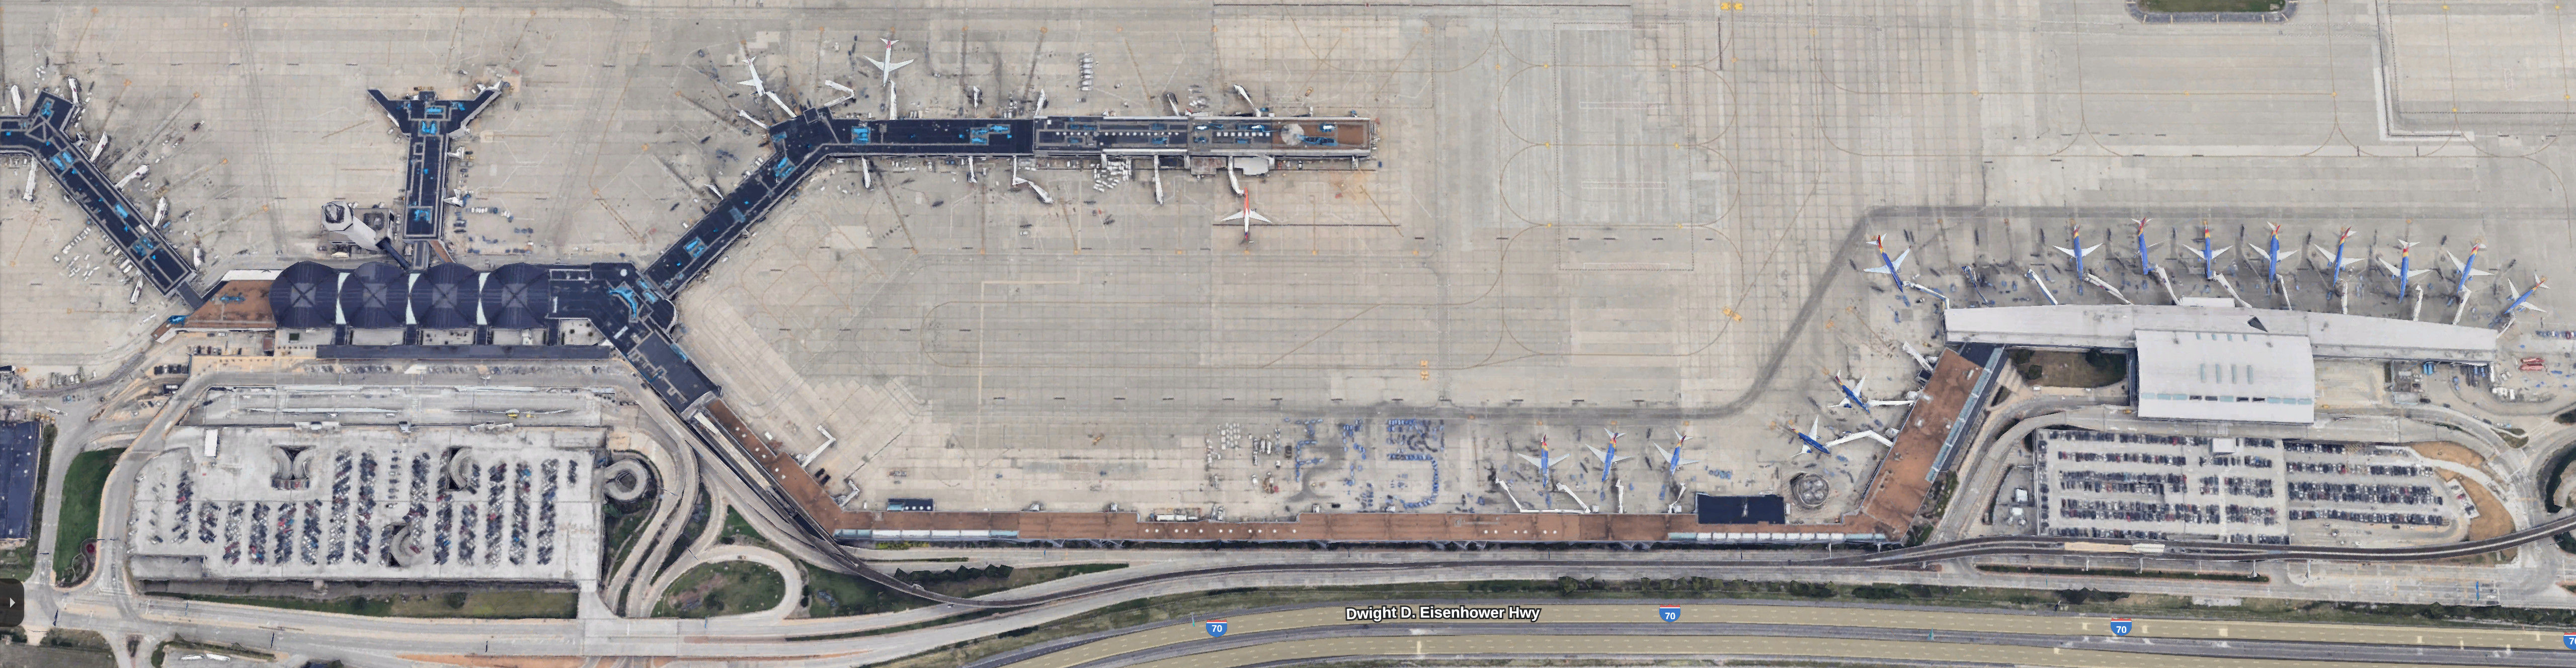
{"x": 2492, "y": 519}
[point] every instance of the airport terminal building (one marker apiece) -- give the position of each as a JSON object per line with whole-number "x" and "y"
{"x": 2222, "y": 363}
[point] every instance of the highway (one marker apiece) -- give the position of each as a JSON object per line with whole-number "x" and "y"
{"x": 1154, "y": 644}
{"x": 1675, "y": 641}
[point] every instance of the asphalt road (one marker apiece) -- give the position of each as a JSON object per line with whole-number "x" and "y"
{"x": 1155, "y": 642}
{"x": 1650, "y": 639}
{"x": 1526, "y": 645}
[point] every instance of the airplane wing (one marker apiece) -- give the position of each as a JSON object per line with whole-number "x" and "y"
{"x": 837, "y": 86}
{"x": 1858, "y": 435}
{"x": 2384, "y": 265}
{"x": 1899, "y": 262}
{"x": 1247, "y": 213}
{"x": 1596, "y": 453}
{"x": 886, "y": 66}
{"x": 1532, "y": 460}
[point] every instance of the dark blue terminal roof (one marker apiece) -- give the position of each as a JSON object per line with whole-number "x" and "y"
{"x": 376, "y": 296}
{"x": 306, "y": 295}
{"x": 446, "y": 296}
{"x": 517, "y": 296}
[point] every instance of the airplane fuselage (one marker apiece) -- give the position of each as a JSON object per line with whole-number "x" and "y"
{"x": 2145, "y": 268}
{"x": 2468, "y": 270}
{"x": 2208, "y": 257}
{"x": 2335, "y": 273}
{"x": 2405, "y": 268}
{"x": 2079, "y": 260}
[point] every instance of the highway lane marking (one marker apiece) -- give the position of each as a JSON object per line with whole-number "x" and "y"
{"x": 1644, "y": 612}
{"x": 1841, "y": 648}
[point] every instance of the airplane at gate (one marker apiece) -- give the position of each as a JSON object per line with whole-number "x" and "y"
{"x": 1888, "y": 266}
{"x": 1673, "y": 464}
{"x": 2335, "y": 270}
{"x": 2273, "y": 257}
{"x": 2209, "y": 256}
{"x": 2405, "y": 269}
{"x": 2145, "y": 266}
{"x": 2078, "y": 251}
{"x": 2467, "y": 269}
{"x": 1544, "y": 461}
{"x": 1610, "y": 458}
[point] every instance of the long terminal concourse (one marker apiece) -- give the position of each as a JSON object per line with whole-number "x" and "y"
{"x": 2078, "y": 333}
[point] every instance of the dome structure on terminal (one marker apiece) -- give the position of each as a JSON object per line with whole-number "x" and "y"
{"x": 375, "y": 296}
{"x": 517, "y": 296}
{"x": 305, "y": 296}
{"x": 445, "y": 297}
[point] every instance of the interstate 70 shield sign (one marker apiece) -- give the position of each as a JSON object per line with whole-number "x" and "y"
{"x": 1216, "y": 628}
{"x": 1671, "y": 613}
{"x": 2120, "y": 627}
{"x": 2570, "y": 639}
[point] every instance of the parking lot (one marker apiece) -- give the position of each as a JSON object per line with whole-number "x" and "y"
{"x": 2251, "y": 490}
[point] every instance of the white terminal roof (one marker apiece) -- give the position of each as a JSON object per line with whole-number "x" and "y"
{"x": 2116, "y": 326}
{"x": 2226, "y": 376}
